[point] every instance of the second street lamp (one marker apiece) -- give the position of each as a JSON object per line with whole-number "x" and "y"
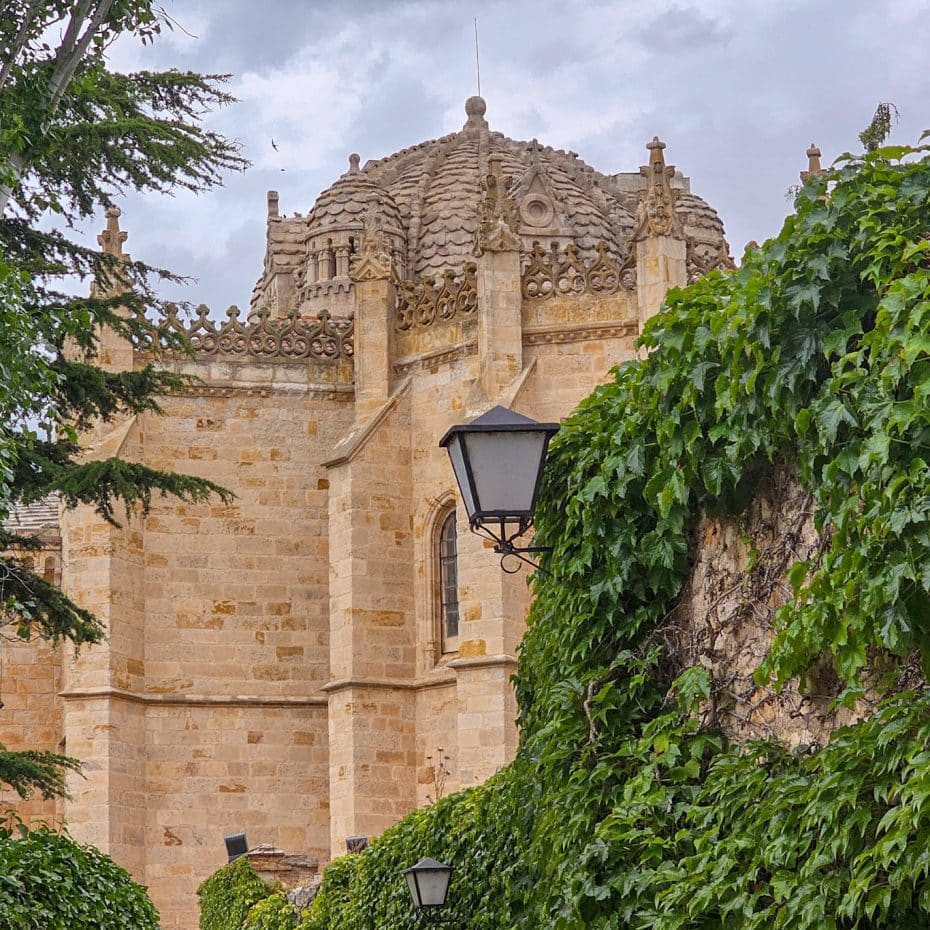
{"x": 498, "y": 462}
{"x": 428, "y": 882}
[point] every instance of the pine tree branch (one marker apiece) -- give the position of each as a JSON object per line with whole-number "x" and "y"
{"x": 28, "y": 771}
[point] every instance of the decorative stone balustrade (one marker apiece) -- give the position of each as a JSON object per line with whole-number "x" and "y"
{"x": 420, "y": 304}
{"x": 292, "y": 338}
{"x": 704, "y": 257}
{"x": 551, "y": 274}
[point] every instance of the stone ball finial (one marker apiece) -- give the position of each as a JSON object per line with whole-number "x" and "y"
{"x": 475, "y": 106}
{"x": 354, "y": 160}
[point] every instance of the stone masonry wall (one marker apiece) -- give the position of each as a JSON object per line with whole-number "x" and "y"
{"x": 723, "y": 620}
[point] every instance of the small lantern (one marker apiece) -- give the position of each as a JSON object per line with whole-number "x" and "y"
{"x": 429, "y": 883}
{"x": 498, "y": 462}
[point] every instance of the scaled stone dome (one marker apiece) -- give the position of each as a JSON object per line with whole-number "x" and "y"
{"x": 342, "y": 205}
{"x": 428, "y": 197}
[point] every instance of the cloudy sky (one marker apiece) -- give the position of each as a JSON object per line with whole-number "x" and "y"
{"x": 737, "y": 89}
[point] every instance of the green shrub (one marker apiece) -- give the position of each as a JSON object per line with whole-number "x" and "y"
{"x": 228, "y": 895}
{"x": 50, "y": 882}
{"x": 272, "y": 913}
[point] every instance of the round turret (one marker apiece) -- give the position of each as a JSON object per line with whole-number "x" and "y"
{"x": 334, "y": 227}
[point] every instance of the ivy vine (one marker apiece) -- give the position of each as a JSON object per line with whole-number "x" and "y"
{"x": 621, "y": 810}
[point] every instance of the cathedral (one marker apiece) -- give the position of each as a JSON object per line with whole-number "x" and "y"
{"x": 334, "y": 648}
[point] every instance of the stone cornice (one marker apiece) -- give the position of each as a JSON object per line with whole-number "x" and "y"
{"x": 542, "y": 335}
{"x": 484, "y": 662}
{"x": 236, "y": 389}
{"x": 199, "y": 700}
{"x": 390, "y": 684}
{"x": 442, "y": 355}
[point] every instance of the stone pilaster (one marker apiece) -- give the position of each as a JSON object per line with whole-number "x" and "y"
{"x": 500, "y": 331}
{"x": 115, "y": 353}
{"x": 102, "y": 567}
{"x": 372, "y": 708}
{"x": 375, "y": 301}
{"x": 661, "y": 250}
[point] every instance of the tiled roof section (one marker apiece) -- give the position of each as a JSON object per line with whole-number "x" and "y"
{"x": 343, "y": 204}
{"x": 33, "y": 518}
{"x": 700, "y": 220}
{"x": 286, "y": 252}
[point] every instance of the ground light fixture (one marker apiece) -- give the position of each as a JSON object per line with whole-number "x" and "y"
{"x": 236, "y": 845}
{"x": 428, "y": 881}
{"x": 498, "y": 461}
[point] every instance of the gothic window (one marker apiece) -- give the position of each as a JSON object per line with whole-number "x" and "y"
{"x": 448, "y": 584}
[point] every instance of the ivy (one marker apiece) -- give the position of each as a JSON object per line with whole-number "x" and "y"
{"x": 48, "y": 880}
{"x": 228, "y": 895}
{"x": 620, "y": 810}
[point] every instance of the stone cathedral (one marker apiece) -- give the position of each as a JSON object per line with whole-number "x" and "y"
{"x": 334, "y": 648}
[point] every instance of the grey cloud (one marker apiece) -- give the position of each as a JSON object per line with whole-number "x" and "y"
{"x": 737, "y": 93}
{"x": 683, "y": 29}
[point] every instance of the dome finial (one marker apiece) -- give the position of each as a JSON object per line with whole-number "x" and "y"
{"x": 354, "y": 159}
{"x": 475, "y": 108}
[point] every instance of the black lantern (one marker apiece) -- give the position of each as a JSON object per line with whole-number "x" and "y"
{"x": 498, "y": 463}
{"x": 429, "y": 884}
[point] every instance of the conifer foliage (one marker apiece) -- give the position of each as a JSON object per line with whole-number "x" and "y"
{"x": 73, "y": 136}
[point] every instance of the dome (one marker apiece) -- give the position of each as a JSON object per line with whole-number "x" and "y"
{"x": 342, "y": 205}
{"x": 438, "y": 188}
{"x": 428, "y": 197}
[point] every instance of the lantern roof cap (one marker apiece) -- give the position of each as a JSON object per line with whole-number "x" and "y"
{"x": 428, "y": 863}
{"x": 496, "y": 419}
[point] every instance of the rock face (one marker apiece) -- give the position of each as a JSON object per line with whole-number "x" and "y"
{"x": 723, "y": 620}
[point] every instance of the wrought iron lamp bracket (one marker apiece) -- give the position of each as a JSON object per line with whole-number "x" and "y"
{"x": 504, "y": 545}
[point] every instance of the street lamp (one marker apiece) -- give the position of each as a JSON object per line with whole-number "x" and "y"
{"x": 428, "y": 881}
{"x": 498, "y": 462}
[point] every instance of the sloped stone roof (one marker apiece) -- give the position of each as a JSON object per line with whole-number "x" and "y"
{"x": 343, "y": 204}
{"x": 35, "y": 517}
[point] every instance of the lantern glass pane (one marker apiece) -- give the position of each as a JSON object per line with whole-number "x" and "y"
{"x": 461, "y": 474}
{"x": 434, "y": 884}
{"x": 414, "y": 891}
{"x": 505, "y": 466}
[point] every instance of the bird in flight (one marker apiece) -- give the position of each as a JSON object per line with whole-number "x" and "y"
{"x": 274, "y": 145}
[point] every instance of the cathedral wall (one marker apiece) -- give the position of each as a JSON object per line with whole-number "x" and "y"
{"x": 31, "y": 717}
{"x": 237, "y": 631}
{"x": 215, "y": 769}
{"x": 244, "y": 585}
{"x": 371, "y": 698}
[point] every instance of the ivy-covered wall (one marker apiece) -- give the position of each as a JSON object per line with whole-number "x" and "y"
{"x": 628, "y": 804}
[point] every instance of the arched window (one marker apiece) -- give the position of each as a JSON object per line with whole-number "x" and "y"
{"x": 448, "y": 584}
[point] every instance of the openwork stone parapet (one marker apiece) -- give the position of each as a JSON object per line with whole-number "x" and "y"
{"x": 422, "y": 303}
{"x": 553, "y": 274}
{"x": 259, "y": 337}
{"x": 705, "y": 257}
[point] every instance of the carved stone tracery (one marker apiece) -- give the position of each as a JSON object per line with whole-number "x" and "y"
{"x": 420, "y": 304}
{"x": 325, "y": 339}
{"x": 372, "y": 262}
{"x": 656, "y": 216}
{"x": 704, "y": 257}
{"x": 499, "y": 221}
{"x": 550, "y": 275}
